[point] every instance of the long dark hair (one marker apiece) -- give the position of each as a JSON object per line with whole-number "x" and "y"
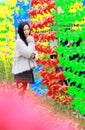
{"x": 21, "y": 31}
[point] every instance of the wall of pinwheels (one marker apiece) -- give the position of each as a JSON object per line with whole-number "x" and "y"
{"x": 55, "y": 25}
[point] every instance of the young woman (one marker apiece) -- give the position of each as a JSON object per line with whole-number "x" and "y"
{"x": 25, "y": 57}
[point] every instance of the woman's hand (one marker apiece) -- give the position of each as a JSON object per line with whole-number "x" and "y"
{"x": 30, "y": 39}
{"x": 29, "y": 36}
{"x": 33, "y": 56}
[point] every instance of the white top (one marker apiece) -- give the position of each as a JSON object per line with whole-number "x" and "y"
{"x": 22, "y": 57}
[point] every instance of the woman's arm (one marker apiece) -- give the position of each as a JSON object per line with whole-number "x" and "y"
{"x": 31, "y": 44}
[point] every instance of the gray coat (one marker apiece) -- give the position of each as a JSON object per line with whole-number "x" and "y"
{"x": 22, "y": 57}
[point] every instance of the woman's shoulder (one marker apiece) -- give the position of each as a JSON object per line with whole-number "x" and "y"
{"x": 19, "y": 40}
{"x": 19, "y": 43}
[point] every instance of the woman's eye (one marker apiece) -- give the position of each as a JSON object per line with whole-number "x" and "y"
{"x": 26, "y": 29}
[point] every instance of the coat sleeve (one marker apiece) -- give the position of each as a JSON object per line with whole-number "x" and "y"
{"x": 31, "y": 44}
{"x": 22, "y": 49}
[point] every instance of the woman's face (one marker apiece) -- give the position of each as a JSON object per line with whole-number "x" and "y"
{"x": 26, "y": 30}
